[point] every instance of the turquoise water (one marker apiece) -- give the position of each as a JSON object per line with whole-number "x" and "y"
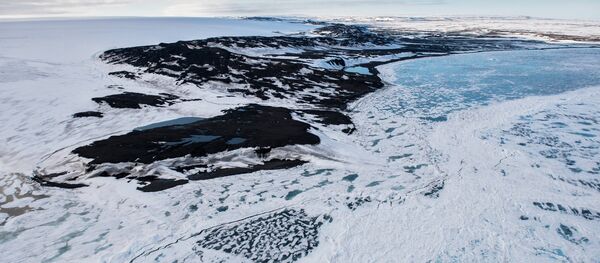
{"x": 433, "y": 87}
{"x": 359, "y": 70}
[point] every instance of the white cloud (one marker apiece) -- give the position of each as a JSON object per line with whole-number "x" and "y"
{"x": 288, "y": 7}
{"x": 18, "y": 8}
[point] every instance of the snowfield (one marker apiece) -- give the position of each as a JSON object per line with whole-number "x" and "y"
{"x": 439, "y": 140}
{"x": 555, "y": 30}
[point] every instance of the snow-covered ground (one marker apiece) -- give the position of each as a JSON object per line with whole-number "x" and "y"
{"x": 494, "y": 172}
{"x": 528, "y": 27}
{"x": 49, "y": 70}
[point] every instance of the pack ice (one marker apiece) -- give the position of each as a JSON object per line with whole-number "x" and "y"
{"x": 300, "y": 140}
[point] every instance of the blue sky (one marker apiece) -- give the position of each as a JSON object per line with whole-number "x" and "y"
{"x": 579, "y": 9}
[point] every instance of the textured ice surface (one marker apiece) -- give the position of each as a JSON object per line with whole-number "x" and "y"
{"x": 536, "y": 28}
{"x": 490, "y": 171}
{"x": 360, "y": 70}
{"x": 434, "y": 87}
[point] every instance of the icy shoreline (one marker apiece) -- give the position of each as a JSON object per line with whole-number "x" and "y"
{"x": 463, "y": 188}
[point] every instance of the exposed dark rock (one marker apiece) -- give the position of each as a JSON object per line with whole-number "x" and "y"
{"x": 196, "y": 62}
{"x": 124, "y": 74}
{"x": 350, "y": 35}
{"x": 264, "y": 18}
{"x": 45, "y": 181}
{"x": 135, "y": 100}
{"x": 263, "y": 152}
{"x": 269, "y": 76}
{"x": 161, "y": 184}
{"x": 88, "y": 114}
{"x": 259, "y": 126}
{"x": 274, "y": 164}
{"x": 337, "y": 62}
{"x": 349, "y": 130}
{"x": 115, "y": 175}
{"x": 322, "y": 92}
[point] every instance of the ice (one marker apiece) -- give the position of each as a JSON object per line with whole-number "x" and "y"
{"x": 556, "y": 30}
{"x": 359, "y": 70}
{"x": 49, "y": 70}
{"x": 434, "y": 87}
{"x": 70, "y": 41}
{"x": 480, "y": 157}
{"x": 178, "y": 121}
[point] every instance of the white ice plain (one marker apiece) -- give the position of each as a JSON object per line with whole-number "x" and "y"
{"x": 473, "y": 186}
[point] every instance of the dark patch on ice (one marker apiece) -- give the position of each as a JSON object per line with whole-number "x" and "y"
{"x": 118, "y": 175}
{"x": 262, "y": 152}
{"x": 412, "y": 168}
{"x": 592, "y": 183}
{"x": 582, "y": 212}
{"x": 357, "y": 202}
{"x": 291, "y": 194}
{"x": 398, "y": 157}
{"x": 372, "y": 184}
{"x": 284, "y": 236}
{"x": 124, "y": 74}
{"x": 350, "y": 177}
{"x": 571, "y": 234}
{"x": 88, "y": 114}
{"x": 338, "y": 62}
{"x": 434, "y": 191}
{"x": 436, "y": 119}
{"x": 133, "y": 100}
{"x": 156, "y": 185}
{"x": 46, "y": 181}
{"x": 349, "y": 130}
{"x": 274, "y": 164}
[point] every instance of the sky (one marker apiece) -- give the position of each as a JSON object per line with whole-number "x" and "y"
{"x": 567, "y": 9}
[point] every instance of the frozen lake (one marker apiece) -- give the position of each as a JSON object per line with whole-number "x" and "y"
{"x": 434, "y": 87}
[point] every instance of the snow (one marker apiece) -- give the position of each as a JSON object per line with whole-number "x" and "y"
{"x": 46, "y": 64}
{"x": 401, "y": 188}
{"x": 527, "y": 27}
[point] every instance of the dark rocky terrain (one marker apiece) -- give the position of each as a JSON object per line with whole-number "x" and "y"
{"x": 309, "y": 73}
{"x": 135, "y": 100}
{"x": 245, "y": 127}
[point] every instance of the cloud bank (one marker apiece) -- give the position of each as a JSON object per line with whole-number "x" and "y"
{"x": 16, "y": 8}
{"x": 583, "y": 9}
{"x": 292, "y": 7}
